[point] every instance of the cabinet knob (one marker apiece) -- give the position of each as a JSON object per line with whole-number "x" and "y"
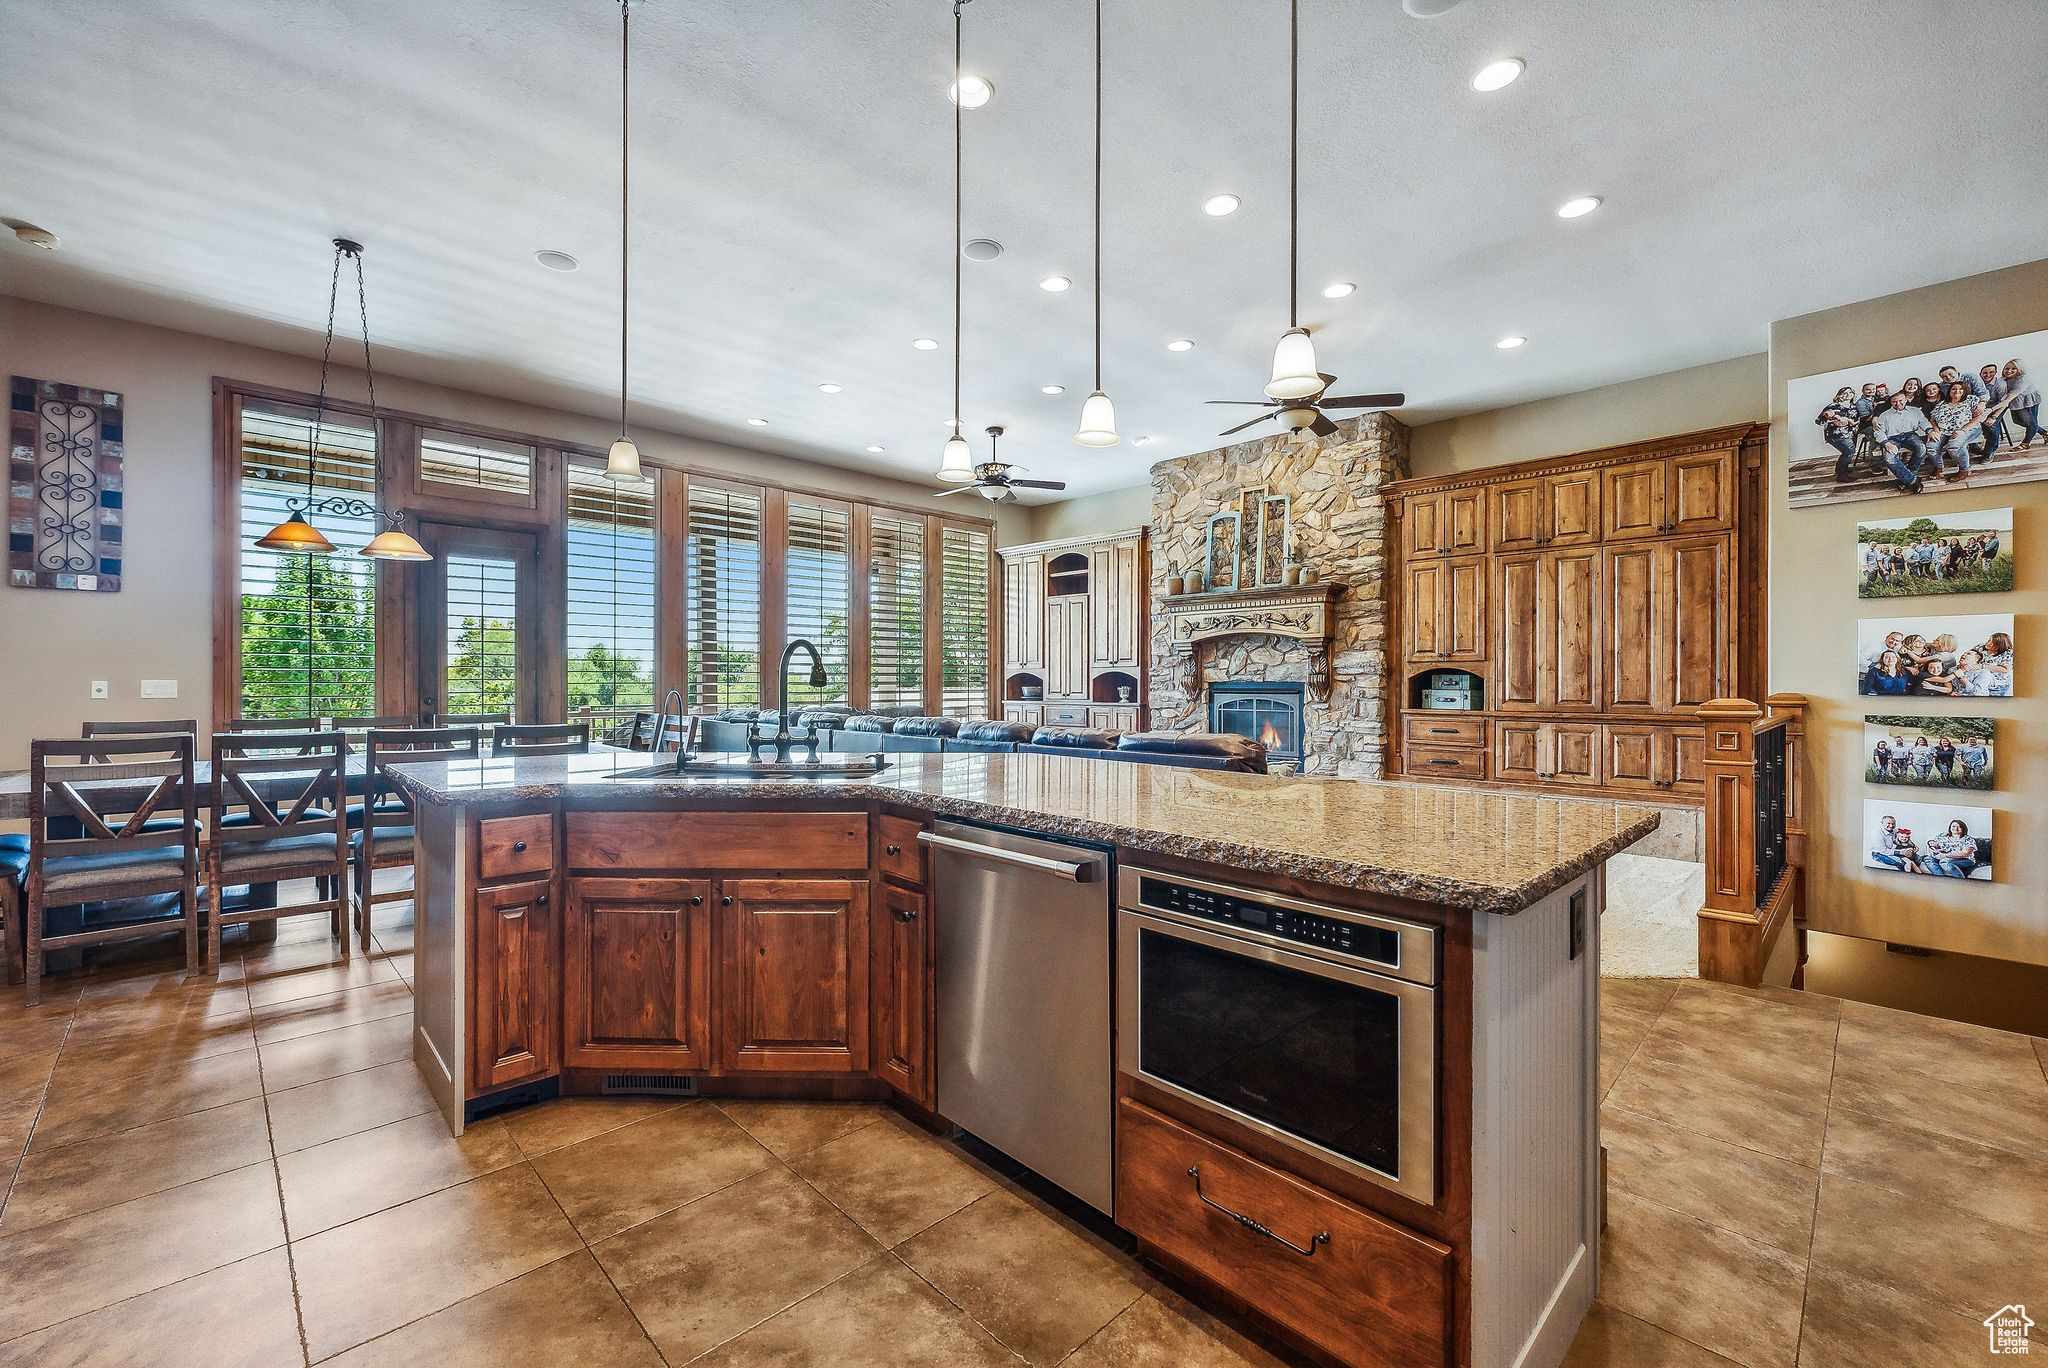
{"x": 697, "y": 900}
{"x": 892, "y": 850}
{"x": 519, "y": 847}
{"x": 906, "y": 914}
{"x": 541, "y": 901}
{"x": 725, "y": 901}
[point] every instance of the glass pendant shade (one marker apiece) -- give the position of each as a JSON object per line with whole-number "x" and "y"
{"x": 623, "y": 462}
{"x": 297, "y": 536}
{"x": 395, "y": 545}
{"x": 1294, "y": 367}
{"x": 957, "y": 467}
{"x": 1098, "y": 422}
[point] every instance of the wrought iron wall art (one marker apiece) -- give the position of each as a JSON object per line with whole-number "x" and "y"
{"x": 1223, "y": 552}
{"x": 64, "y": 523}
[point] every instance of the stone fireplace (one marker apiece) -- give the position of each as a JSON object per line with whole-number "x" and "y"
{"x": 1267, "y": 712}
{"x": 1337, "y": 530}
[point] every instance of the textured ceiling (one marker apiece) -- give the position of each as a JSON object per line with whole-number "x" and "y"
{"x": 1759, "y": 159}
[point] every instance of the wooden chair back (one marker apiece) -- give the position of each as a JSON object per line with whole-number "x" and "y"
{"x": 486, "y": 719}
{"x": 290, "y": 724}
{"x": 185, "y": 726}
{"x": 543, "y": 738}
{"x": 107, "y": 791}
{"x": 305, "y": 773}
{"x": 398, "y": 722}
{"x": 383, "y": 746}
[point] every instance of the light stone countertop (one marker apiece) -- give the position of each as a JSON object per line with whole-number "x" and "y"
{"x": 1462, "y": 848}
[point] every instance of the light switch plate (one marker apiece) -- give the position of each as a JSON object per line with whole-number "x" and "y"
{"x": 159, "y": 688}
{"x": 98, "y": 689}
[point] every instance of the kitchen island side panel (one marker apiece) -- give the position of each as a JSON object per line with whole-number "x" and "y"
{"x": 440, "y": 1042}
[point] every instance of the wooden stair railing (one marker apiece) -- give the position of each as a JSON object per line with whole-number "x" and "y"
{"x": 1755, "y": 834}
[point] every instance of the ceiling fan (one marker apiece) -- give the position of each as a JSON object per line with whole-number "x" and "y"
{"x": 1304, "y": 417}
{"x": 992, "y": 477}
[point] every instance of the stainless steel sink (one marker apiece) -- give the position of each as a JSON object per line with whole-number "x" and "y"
{"x": 740, "y": 766}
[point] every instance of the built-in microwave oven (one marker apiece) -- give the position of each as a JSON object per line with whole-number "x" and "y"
{"x": 1311, "y": 1024}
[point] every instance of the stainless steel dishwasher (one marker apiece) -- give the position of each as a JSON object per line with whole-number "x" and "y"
{"x": 1024, "y": 1000}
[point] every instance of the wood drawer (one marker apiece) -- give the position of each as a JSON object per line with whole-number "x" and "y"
{"x": 1446, "y": 729}
{"x": 897, "y": 852}
{"x": 718, "y": 840}
{"x": 507, "y": 846}
{"x": 1372, "y": 1293}
{"x": 1066, "y": 714}
{"x": 1444, "y": 762}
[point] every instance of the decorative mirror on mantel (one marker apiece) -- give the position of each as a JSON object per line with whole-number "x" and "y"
{"x": 1247, "y": 547}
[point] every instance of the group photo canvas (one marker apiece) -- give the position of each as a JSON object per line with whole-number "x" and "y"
{"x": 1930, "y": 752}
{"x": 1946, "y": 553}
{"x": 1940, "y": 840}
{"x": 1963, "y": 655}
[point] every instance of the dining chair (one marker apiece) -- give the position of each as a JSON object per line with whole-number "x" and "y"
{"x": 541, "y": 738}
{"x": 356, "y": 729}
{"x": 385, "y": 838}
{"x": 288, "y": 790}
{"x": 167, "y": 727}
{"x": 483, "y": 719}
{"x": 107, "y": 789}
{"x": 289, "y": 724}
{"x": 13, "y": 896}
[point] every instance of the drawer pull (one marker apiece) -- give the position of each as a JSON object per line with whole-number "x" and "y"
{"x": 696, "y": 900}
{"x": 1443, "y": 731}
{"x": 519, "y": 847}
{"x": 906, "y": 914}
{"x": 1322, "y": 1237}
{"x": 541, "y": 901}
{"x": 1443, "y": 762}
{"x": 892, "y": 850}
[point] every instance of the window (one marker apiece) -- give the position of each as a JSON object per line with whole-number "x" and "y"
{"x": 895, "y": 610}
{"x": 963, "y": 620}
{"x": 818, "y": 594}
{"x": 482, "y": 626}
{"x": 308, "y": 630}
{"x": 610, "y": 615}
{"x": 477, "y": 466}
{"x": 722, "y": 598}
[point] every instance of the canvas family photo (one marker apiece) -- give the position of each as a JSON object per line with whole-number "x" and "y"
{"x": 1930, "y": 752}
{"x": 1967, "y": 655}
{"x": 1947, "y": 553}
{"x": 1943, "y": 840}
{"x": 1966, "y": 416}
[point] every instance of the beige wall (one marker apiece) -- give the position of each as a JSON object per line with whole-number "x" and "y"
{"x": 160, "y": 624}
{"x": 1111, "y": 511}
{"x": 1689, "y": 400}
{"x": 1814, "y": 610}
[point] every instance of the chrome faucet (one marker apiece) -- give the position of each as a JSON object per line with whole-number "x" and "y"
{"x": 782, "y": 740}
{"x": 661, "y": 727}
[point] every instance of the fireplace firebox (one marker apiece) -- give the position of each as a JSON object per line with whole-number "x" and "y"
{"x": 1267, "y": 713}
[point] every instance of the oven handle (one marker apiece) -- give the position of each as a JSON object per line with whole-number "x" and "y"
{"x": 1074, "y": 871}
{"x": 1322, "y": 1237}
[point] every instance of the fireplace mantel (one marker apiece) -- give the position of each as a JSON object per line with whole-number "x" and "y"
{"x": 1300, "y": 611}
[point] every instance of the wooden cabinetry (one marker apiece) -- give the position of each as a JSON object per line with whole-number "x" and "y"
{"x": 1672, "y": 646}
{"x": 1547, "y": 752}
{"x": 1115, "y": 604}
{"x": 1548, "y": 510}
{"x": 1448, "y": 599}
{"x": 903, "y": 963}
{"x": 1548, "y": 623}
{"x": 512, "y": 1021}
{"x": 1077, "y": 625}
{"x": 1689, "y": 493}
{"x": 1449, "y": 522}
{"x": 1066, "y": 646}
{"x": 795, "y": 997}
{"x": 1024, "y": 610}
{"x": 636, "y": 974}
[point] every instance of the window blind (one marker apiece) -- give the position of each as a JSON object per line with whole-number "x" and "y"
{"x": 308, "y": 623}
{"x": 501, "y": 470}
{"x": 895, "y": 610}
{"x": 818, "y": 589}
{"x": 610, "y": 599}
{"x": 722, "y": 598}
{"x": 963, "y": 620}
{"x": 482, "y": 643}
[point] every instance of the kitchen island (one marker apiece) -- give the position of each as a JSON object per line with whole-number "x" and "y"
{"x": 1408, "y": 1174}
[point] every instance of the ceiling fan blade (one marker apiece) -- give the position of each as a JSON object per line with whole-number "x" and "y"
{"x": 1322, "y": 427}
{"x": 1242, "y": 426}
{"x": 1327, "y": 378}
{"x": 956, "y": 489}
{"x": 1364, "y": 401}
{"x": 1038, "y": 484}
{"x": 1249, "y": 403}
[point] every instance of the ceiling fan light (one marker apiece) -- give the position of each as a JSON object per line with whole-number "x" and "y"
{"x": 1295, "y": 375}
{"x": 1098, "y": 422}
{"x": 395, "y": 544}
{"x": 297, "y": 536}
{"x": 623, "y": 461}
{"x": 957, "y": 466}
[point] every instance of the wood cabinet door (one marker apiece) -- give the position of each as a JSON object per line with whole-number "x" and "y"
{"x": 1632, "y": 500}
{"x": 1519, "y": 751}
{"x": 1518, "y": 515}
{"x": 796, "y": 975}
{"x": 1066, "y": 646}
{"x": 1461, "y": 609}
{"x": 1700, "y": 493}
{"x": 1635, "y": 756}
{"x": 900, "y": 980}
{"x": 1568, "y": 624}
{"x": 1571, "y": 513}
{"x": 636, "y": 974}
{"x": 1030, "y": 714}
{"x": 1464, "y": 525}
{"x": 1574, "y": 753}
{"x": 1024, "y": 612}
{"x": 1634, "y": 641}
{"x": 1113, "y": 599}
{"x": 512, "y": 1022}
{"x": 1695, "y": 601}
{"x": 1422, "y": 521}
{"x": 1689, "y": 760}
{"x": 1422, "y": 611}
{"x": 1515, "y": 676}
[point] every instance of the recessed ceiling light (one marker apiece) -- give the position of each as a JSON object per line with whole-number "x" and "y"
{"x": 971, "y": 92}
{"x": 1216, "y": 206}
{"x": 1578, "y": 208}
{"x": 876, "y": 450}
{"x": 32, "y": 235}
{"x": 1055, "y": 284}
{"x": 1180, "y": 344}
{"x": 1510, "y": 343}
{"x": 1338, "y": 290}
{"x": 554, "y": 260}
{"x": 1052, "y": 389}
{"x": 757, "y": 422}
{"x": 1496, "y": 75}
{"x": 829, "y": 389}
{"x": 981, "y": 249}
{"x": 925, "y": 343}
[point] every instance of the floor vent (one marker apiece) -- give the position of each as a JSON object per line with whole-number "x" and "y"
{"x": 660, "y": 1085}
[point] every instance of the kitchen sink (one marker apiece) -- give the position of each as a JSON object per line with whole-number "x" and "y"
{"x": 739, "y": 766}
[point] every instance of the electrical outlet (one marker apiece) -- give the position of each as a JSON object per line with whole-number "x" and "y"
{"x": 99, "y": 689}
{"x": 159, "y": 688}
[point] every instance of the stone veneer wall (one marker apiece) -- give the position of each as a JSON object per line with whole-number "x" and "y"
{"x": 1339, "y": 526}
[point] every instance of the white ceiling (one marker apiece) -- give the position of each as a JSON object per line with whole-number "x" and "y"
{"x": 1759, "y": 159}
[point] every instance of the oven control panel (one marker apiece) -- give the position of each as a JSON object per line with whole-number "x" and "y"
{"x": 1357, "y": 939}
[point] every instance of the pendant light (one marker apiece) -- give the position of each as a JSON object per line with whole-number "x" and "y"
{"x": 1098, "y": 415}
{"x": 956, "y": 465}
{"x": 623, "y": 461}
{"x": 1295, "y": 375}
{"x": 296, "y": 535}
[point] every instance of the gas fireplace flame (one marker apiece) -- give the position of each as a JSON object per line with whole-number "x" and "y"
{"x": 1269, "y": 736}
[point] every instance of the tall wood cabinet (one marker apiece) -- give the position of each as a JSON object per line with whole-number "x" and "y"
{"x": 1592, "y": 601}
{"x": 1076, "y": 617}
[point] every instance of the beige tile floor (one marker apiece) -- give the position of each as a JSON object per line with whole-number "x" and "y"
{"x": 248, "y": 1173}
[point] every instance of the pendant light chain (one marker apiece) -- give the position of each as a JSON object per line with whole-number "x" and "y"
{"x": 1098, "y": 194}
{"x": 959, "y": 244}
{"x": 326, "y": 359}
{"x": 625, "y": 190}
{"x": 1293, "y": 161}
{"x": 370, "y": 380}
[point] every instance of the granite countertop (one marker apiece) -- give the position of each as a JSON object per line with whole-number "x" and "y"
{"x": 1463, "y": 848}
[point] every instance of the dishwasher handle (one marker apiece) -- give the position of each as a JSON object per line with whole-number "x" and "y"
{"x": 1074, "y": 871}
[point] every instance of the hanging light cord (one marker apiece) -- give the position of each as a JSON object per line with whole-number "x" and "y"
{"x": 1293, "y": 159}
{"x": 958, "y": 230}
{"x": 1098, "y": 196}
{"x": 370, "y": 380}
{"x": 326, "y": 359}
{"x": 625, "y": 188}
